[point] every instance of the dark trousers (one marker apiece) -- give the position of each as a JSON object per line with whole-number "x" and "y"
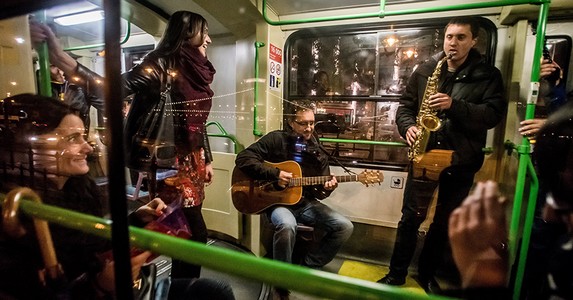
{"x": 454, "y": 185}
{"x": 181, "y": 269}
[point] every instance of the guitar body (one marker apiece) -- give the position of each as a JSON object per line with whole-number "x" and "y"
{"x": 253, "y": 196}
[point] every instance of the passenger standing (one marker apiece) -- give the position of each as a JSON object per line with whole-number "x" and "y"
{"x": 478, "y": 228}
{"x": 300, "y": 144}
{"x": 182, "y": 49}
{"x": 469, "y": 101}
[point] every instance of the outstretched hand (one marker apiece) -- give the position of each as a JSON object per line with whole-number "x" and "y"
{"x": 530, "y": 127}
{"x": 151, "y": 210}
{"x": 478, "y": 235}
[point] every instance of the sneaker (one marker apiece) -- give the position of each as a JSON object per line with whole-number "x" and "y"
{"x": 391, "y": 280}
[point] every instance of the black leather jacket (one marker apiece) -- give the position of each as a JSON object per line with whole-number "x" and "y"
{"x": 144, "y": 81}
{"x": 79, "y": 95}
{"x": 478, "y": 105}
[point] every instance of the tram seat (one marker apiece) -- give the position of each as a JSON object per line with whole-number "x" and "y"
{"x": 134, "y": 192}
{"x": 305, "y": 235}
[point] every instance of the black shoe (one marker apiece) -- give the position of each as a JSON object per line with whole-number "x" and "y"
{"x": 280, "y": 294}
{"x": 391, "y": 280}
{"x": 430, "y": 285}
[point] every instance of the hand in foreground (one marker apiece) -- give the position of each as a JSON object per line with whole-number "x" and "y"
{"x": 151, "y": 210}
{"x": 530, "y": 128}
{"x": 105, "y": 280}
{"x": 478, "y": 235}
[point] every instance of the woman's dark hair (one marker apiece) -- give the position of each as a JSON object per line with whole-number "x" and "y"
{"x": 28, "y": 115}
{"x": 553, "y": 153}
{"x": 182, "y": 26}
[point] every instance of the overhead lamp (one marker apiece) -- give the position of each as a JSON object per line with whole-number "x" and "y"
{"x": 80, "y": 18}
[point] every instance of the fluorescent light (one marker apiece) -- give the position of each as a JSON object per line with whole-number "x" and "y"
{"x": 84, "y": 17}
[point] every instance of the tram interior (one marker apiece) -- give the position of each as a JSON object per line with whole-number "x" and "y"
{"x": 366, "y": 68}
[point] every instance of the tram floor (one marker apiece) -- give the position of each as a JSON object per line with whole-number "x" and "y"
{"x": 362, "y": 257}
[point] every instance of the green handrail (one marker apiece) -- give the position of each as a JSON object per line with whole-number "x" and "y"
{"x": 236, "y": 146}
{"x": 365, "y": 142}
{"x": 256, "y": 131}
{"x": 525, "y": 166}
{"x": 276, "y": 273}
{"x": 382, "y": 13}
{"x": 44, "y": 62}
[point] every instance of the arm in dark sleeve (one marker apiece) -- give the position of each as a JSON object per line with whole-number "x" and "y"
{"x": 207, "y": 147}
{"x": 488, "y": 112}
{"x": 409, "y": 104}
{"x": 92, "y": 84}
{"x": 143, "y": 77}
{"x": 251, "y": 160}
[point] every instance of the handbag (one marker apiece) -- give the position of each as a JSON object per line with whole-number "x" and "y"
{"x": 152, "y": 146}
{"x": 144, "y": 286}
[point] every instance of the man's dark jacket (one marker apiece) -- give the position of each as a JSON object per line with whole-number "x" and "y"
{"x": 478, "y": 104}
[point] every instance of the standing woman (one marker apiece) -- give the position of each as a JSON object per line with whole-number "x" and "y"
{"x": 182, "y": 50}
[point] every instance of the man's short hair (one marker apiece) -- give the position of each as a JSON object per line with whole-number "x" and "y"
{"x": 466, "y": 20}
{"x": 298, "y": 106}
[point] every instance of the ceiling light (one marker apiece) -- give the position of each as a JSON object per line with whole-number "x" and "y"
{"x": 80, "y": 18}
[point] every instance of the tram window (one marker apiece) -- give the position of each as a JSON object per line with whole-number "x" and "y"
{"x": 366, "y": 70}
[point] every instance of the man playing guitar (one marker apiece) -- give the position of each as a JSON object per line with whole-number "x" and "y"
{"x": 297, "y": 143}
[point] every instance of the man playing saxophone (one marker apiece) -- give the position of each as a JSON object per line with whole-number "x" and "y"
{"x": 467, "y": 95}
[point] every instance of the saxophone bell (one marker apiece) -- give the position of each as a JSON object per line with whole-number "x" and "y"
{"x": 431, "y": 122}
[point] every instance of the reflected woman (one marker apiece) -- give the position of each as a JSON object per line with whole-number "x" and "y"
{"x": 182, "y": 49}
{"x": 53, "y": 134}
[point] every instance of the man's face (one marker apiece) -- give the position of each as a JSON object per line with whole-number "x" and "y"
{"x": 458, "y": 41}
{"x": 303, "y": 123}
{"x": 56, "y": 74}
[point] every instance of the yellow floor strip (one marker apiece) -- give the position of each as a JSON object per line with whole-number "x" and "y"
{"x": 370, "y": 272}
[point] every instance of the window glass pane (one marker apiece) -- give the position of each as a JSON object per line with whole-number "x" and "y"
{"x": 356, "y": 76}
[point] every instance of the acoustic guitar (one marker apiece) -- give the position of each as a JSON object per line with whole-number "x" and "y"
{"x": 253, "y": 196}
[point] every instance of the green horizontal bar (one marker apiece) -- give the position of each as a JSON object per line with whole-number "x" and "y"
{"x": 382, "y": 13}
{"x": 365, "y": 142}
{"x": 305, "y": 280}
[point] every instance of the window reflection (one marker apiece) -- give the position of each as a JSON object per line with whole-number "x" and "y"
{"x": 357, "y": 77}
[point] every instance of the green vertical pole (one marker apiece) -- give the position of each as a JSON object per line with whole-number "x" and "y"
{"x": 44, "y": 62}
{"x": 525, "y": 163}
{"x": 256, "y": 130}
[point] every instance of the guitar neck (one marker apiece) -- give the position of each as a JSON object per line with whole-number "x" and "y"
{"x": 303, "y": 181}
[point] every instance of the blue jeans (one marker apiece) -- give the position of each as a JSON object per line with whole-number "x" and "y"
{"x": 336, "y": 227}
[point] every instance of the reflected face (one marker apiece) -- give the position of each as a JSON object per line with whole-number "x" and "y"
{"x": 56, "y": 74}
{"x": 64, "y": 151}
{"x": 201, "y": 41}
{"x": 303, "y": 123}
{"x": 458, "y": 41}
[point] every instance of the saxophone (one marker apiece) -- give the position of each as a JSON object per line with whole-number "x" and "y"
{"x": 427, "y": 119}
